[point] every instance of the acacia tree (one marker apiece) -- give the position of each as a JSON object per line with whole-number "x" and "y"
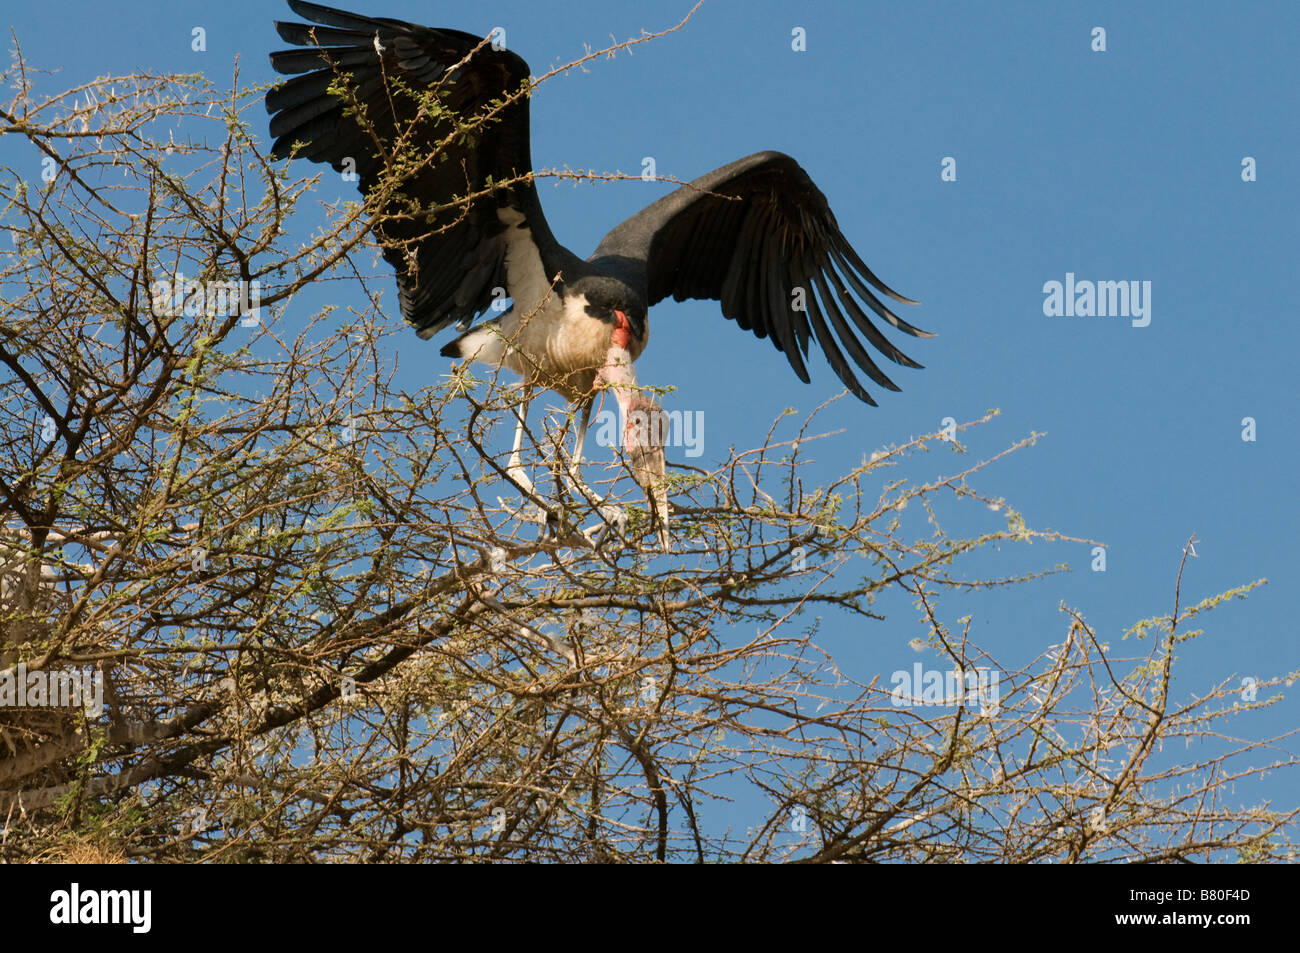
{"x": 321, "y": 636}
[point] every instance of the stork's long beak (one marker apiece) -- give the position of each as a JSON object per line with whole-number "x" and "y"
{"x": 645, "y": 431}
{"x": 650, "y": 469}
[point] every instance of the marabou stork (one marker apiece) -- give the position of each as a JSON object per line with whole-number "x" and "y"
{"x": 447, "y": 113}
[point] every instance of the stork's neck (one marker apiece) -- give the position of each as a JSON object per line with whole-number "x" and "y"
{"x": 644, "y": 422}
{"x": 617, "y": 372}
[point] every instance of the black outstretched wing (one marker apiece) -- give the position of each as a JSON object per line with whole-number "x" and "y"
{"x": 759, "y": 236}
{"x": 406, "y": 86}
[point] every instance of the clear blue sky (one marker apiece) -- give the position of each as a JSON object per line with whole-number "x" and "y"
{"x": 1122, "y": 165}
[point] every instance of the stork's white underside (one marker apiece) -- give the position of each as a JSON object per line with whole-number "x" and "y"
{"x": 544, "y": 336}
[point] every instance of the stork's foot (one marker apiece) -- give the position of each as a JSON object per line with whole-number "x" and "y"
{"x": 547, "y": 519}
{"x": 550, "y": 517}
{"x": 613, "y": 523}
{"x": 650, "y": 470}
{"x": 613, "y": 518}
{"x": 530, "y": 509}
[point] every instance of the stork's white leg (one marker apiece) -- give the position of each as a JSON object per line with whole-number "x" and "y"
{"x": 582, "y": 432}
{"x": 515, "y": 467}
{"x": 515, "y": 470}
{"x": 611, "y": 516}
{"x": 573, "y": 470}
